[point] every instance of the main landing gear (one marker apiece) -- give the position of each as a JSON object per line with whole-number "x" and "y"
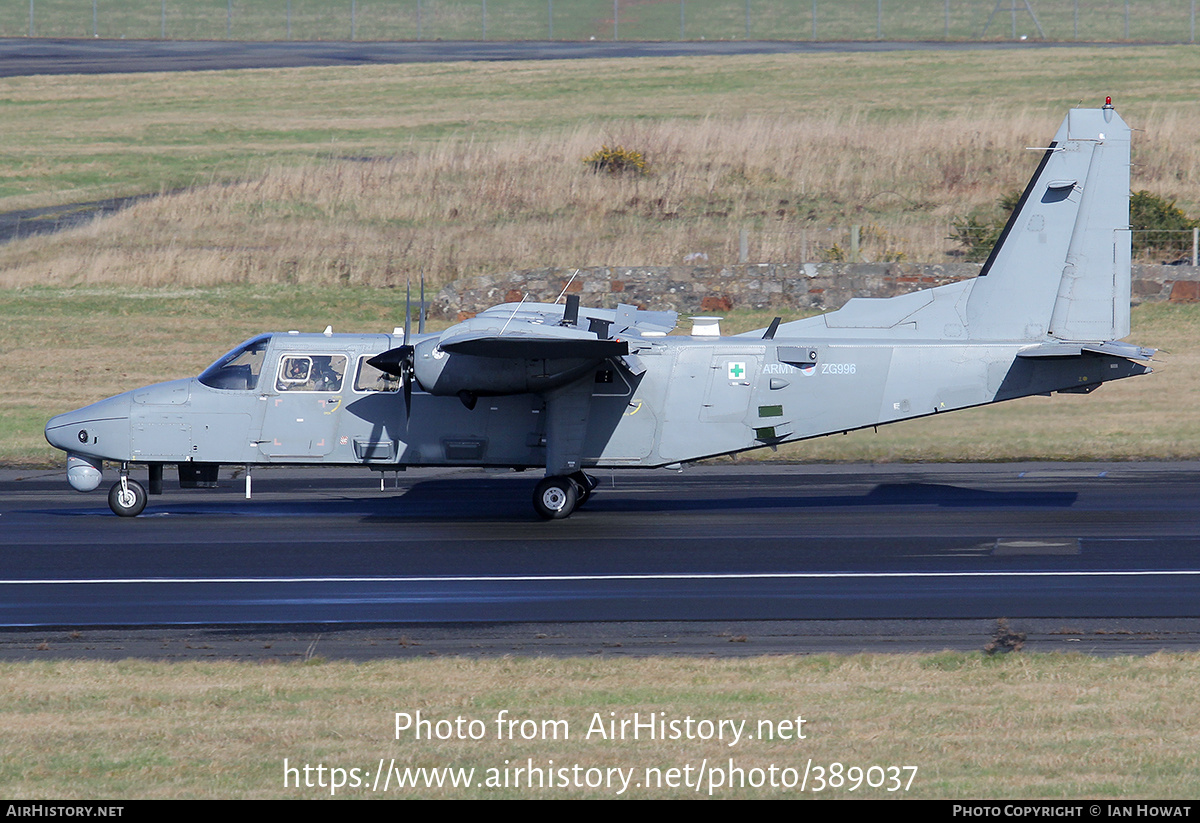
{"x": 557, "y": 496}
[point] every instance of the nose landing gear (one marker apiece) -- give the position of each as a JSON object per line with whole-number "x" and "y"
{"x": 127, "y": 497}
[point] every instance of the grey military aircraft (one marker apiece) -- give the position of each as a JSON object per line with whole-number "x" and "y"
{"x": 566, "y": 388}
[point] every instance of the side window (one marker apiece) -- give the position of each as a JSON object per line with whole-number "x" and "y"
{"x": 371, "y": 379}
{"x": 311, "y": 372}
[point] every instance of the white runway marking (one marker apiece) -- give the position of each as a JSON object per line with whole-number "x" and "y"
{"x": 563, "y": 578}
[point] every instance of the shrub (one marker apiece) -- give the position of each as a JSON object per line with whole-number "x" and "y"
{"x": 617, "y": 160}
{"x": 977, "y": 233}
{"x": 1160, "y": 228}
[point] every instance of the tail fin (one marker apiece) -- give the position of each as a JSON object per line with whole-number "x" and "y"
{"x": 1061, "y": 266}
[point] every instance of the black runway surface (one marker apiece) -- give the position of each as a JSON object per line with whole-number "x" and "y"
{"x": 1077, "y": 551}
{"x": 30, "y": 56}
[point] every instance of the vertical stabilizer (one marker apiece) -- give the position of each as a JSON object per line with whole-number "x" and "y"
{"x": 1061, "y": 266}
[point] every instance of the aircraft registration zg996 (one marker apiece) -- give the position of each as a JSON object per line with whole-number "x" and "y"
{"x": 566, "y": 389}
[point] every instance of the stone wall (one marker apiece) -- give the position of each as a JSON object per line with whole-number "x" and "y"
{"x": 767, "y": 286}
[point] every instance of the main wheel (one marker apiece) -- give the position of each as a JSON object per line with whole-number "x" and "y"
{"x": 127, "y": 501}
{"x": 584, "y": 485}
{"x": 555, "y": 497}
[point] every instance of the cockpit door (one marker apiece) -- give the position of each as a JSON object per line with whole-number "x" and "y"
{"x": 303, "y": 397}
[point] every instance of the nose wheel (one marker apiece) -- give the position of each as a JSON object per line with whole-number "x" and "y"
{"x": 127, "y": 497}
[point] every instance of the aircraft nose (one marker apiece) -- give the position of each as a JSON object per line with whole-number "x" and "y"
{"x": 99, "y": 430}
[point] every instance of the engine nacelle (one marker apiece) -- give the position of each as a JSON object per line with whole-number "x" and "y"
{"x": 442, "y": 373}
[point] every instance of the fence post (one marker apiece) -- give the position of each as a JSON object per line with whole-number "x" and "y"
{"x": 743, "y": 246}
{"x": 854, "y": 241}
{"x": 1195, "y": 245}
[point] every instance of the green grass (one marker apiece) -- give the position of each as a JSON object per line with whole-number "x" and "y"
{"x": 1102, "y": 20}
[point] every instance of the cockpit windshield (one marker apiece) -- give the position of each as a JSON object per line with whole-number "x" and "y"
{"x": 239, "y": 368}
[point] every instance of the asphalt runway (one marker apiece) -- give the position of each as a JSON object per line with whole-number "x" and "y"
{"x": 30, "y": 56}
{"x": 1071, "y": 553}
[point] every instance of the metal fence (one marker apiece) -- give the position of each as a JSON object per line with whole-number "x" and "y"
{"x": 1056, "y": 20}
{"x": 880, "y": 243}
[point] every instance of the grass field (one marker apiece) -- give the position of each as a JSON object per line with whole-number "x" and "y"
{"x": 1096, "y": 20}
{"x": 1015, "y": 727}
{"x": 361, "y": 176}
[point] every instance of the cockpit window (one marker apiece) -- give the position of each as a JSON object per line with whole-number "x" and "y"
{"x": 311, "y": 372}
{"x": 371, "y": 379}
{"x": 239, "y": 368}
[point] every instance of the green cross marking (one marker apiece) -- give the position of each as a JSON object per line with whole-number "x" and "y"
{"x": 736, "y": 370}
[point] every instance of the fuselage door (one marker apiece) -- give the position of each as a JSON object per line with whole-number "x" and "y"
{"x": 303, "y": 401}
{"x": 732, "y": 374}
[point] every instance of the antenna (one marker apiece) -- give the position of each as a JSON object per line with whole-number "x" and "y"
{"x": 514, "y": 314}
{"x": 571, "y": 312}
{"x": 569, "y": 282}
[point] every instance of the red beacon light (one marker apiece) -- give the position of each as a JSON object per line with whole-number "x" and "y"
{"x": 1108, "y": 103}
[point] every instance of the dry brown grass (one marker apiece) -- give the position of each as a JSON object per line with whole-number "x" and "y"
{"x": 1014, "y": 726}
{"x": 457, "y": 207}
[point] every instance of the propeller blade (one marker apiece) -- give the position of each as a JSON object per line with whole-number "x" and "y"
{"x": 421, "y": 316}
{"x": 407, "y": 306}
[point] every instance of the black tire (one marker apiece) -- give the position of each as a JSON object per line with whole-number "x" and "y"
{"x": 555, "y": 497}
{"x": 127, "y": 502}
{"x": 584, "y": 484}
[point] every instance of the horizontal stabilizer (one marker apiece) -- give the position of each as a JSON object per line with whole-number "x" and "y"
{"x": 1117, "y": 349}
